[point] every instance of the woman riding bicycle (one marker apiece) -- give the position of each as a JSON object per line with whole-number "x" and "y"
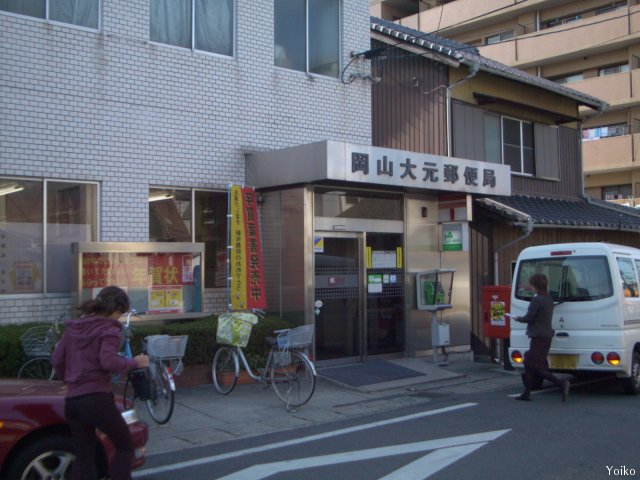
{"x": 85, "y": 358}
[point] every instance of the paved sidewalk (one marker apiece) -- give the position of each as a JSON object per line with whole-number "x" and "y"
{"x": 204, "y": 417}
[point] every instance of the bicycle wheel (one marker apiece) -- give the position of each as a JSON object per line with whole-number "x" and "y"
{"x": 294, "y": 383}
{"x": 160, "y": 406}
{"x": 128, "y": 396}
{"x": 225, "y": 370}
{"x": 38, "y": 368}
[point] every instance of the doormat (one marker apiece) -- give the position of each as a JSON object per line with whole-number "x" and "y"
{"x": 368, "y": 373}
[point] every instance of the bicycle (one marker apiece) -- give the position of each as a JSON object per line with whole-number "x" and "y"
{"x": 288, "y": 368}
{"x": 165, "y": 358}
{"x": 38, "y": 343}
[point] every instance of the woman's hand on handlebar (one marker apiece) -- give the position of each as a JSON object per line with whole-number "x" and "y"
{"x": 142, "y": 360}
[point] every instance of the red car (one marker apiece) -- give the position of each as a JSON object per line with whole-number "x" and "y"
{"x": 34, "y": 439}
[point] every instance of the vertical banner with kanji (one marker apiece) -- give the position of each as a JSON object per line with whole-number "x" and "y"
{"x": 246, "y": 272}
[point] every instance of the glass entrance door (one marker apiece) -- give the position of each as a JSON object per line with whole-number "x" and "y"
{"x": 338, "y": 296}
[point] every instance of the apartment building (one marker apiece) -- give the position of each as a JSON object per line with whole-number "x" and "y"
{"x": 590, "y": 45}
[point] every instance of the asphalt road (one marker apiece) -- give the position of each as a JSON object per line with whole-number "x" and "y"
{"x": 483, "y": 435}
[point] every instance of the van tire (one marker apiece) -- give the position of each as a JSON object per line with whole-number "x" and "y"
{"x": 631, "y": 385}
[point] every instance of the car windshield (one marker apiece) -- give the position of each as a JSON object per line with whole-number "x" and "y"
{"x": 571, "y": 278}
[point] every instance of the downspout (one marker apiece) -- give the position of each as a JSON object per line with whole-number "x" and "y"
{"x": 527, "y": 228}
{"x": 473, "y": 71}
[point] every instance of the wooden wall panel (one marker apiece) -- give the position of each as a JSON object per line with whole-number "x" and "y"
{"x": 408, "y": 104}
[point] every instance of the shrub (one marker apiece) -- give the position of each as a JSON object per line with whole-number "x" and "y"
{"x": 201, "y": 346}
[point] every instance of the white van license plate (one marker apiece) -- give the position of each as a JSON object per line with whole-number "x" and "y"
{"x": 569, "y": 362}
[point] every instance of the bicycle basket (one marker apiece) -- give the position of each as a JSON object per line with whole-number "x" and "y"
{"x": 166, "y": 346}
{"x": 234, "y": 328}
{"x": 296, "y": 337}
{"x": 38, "y": 341}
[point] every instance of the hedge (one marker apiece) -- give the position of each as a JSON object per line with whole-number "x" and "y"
{"x": 201, "y": 346}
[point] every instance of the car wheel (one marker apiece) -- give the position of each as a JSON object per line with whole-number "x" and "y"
{"x": 631, "y": 385}
{"x": 44, "y": 458}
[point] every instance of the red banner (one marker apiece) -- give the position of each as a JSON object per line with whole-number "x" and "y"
{"x": 256, "y": 297}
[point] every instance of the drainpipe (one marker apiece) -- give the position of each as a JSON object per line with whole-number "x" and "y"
{"x": 474, "y": 68}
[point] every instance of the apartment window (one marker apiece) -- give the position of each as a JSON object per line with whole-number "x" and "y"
{"x": 616, "y": 192}
{"x": 571, "y": 78}
{"x": 611, "y": 8}
{"x": 613, "y": 69}
{"x": 518, "y": 146}
{"x": 307, "y": 36}
{"x": 205, "y": 25}
{"x": 596, "y": 133}
{"x": 38, "y": 222}
{"x": 500, "y": 37}
{"x": 184, "y": 215}
{"x": 84, "y": 13}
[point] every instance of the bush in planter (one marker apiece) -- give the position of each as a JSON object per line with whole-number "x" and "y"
{"x": 201, "y": 347}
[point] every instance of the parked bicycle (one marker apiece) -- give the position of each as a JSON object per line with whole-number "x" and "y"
{"x": 38, "y": 343}
{"x": 288, "y": 368}
{"x": 165, "y": 357}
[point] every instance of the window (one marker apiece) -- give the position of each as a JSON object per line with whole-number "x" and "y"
{"x": 613, "y": 69}
{"x": 571, "y": 279}
{"x": 500, "y": 37}
{"x": 35, "y": 235}
{"x": 307, "y": 36}
{"x": 561, "y": 21}
{"x": 517, "y": 145}
{"x": 205, "y": 25}
{"x": 83, "y": 13}
{"x": 628, "y": 278}
{"x": 611, "y": 8}
{"x": 596, "y": 133}
{"x": 616, "y": 192}
{"x": 193, "y": 216}
{"x": 570, "y": 78}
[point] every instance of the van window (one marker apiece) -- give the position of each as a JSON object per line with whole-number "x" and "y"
{"x": 571, "y": 278}
{"x": 628, "y": 277}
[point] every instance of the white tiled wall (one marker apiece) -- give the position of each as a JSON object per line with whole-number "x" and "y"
{"x": 114, "y": 108}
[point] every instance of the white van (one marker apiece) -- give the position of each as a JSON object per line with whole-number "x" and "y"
{"x": 596, "y": 317}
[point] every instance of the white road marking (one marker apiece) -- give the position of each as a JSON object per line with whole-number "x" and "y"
{"x": 450, "y": 445}
{"x": 250, "y": 451}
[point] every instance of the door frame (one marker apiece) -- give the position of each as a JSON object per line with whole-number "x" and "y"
{"x": 360, "y": 237}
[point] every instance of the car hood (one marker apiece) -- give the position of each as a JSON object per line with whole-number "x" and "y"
{"x": 31, "y": 388}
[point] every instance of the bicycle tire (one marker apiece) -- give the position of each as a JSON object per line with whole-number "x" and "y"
{"x": 225, "y": 370}
{"x": 38, "y": 368}
{"x": 160, "y": 407}
{"x": 294, "y": 383}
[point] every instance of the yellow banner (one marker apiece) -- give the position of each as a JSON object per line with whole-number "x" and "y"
{"x": 238, "y": 264}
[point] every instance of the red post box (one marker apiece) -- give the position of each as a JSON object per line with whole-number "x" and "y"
{"x": 496, "y": 301}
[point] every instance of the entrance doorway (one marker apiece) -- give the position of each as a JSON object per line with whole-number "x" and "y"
{"x": 359, "y": 295}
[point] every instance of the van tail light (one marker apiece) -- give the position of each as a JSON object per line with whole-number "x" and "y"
{"x": 613, "y": 358}
{"x": 597, "y": 358}
{"x": 516, "y": 356}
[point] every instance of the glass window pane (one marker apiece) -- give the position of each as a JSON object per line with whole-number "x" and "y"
{"x": 214, "y": 26}
{"x": 324, "y": 37}
{"x": 510, "y": 131}
{"x": 76, "y": 12}
{"x": 211, "y": 229}
{"x": 512, "y": 158}
{"x": 290, "y": 34}
{"x": 33, "y": 8}
{"x": 71, "y": 217}
{"x": 169, "y": 215}
{"x": 527, "y": 134}
{"x": 21, "y": 235}
{"x": 334, "y": 203}
{"x": 492, "y": 144}
{"x": 528, "y": 161}
{"x": 171, "y": 22}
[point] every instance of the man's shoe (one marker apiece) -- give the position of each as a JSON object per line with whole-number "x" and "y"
{"x": 526, "y": 398}
{"x": 565, "y": 390}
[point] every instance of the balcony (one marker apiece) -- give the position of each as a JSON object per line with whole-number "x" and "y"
{"x": 572, "y": 39}
{"x": 613, "y": 89}
{"x": 609, "y": 154}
